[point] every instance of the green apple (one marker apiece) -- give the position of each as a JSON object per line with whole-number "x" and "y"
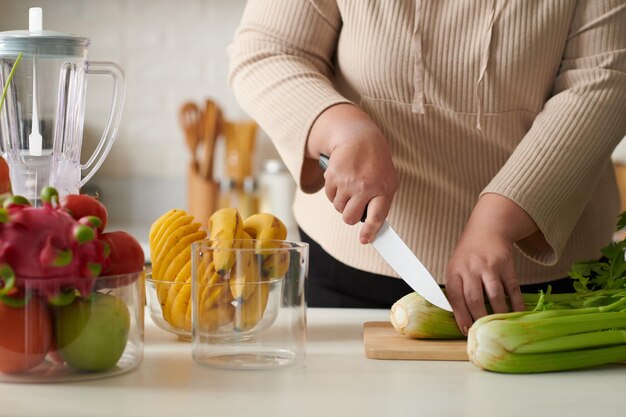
{"x": 91, "y": 333}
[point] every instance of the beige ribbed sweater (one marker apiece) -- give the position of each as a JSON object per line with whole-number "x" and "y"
{"x": 522, "y": 98}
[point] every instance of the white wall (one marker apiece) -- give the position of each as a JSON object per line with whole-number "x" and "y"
{"x": 171, "y": 51}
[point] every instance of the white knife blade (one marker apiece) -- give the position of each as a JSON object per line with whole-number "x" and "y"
{"x": 399, "y": 257}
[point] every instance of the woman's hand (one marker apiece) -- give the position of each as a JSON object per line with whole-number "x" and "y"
{"x": 360, "y": 172}
{"x": 482, "y": 262}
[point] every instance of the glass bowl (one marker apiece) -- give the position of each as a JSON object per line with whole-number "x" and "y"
{"x": 162, "y": 297}
{"x": 71, "y": 329}
{"x": 170, "y": 307}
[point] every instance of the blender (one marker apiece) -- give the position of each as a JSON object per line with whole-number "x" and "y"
{"x": 43, "y": 77}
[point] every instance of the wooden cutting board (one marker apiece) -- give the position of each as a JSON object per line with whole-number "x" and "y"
{"x": 383, "y": 342}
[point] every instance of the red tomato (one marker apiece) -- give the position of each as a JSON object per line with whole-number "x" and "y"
{"x": 5, "y": 181}
{"x": 126, "y": 253}
{"x": 81, "y": 205}
{"x": 25, "y": 336}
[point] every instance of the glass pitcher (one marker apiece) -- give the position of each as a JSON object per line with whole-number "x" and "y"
{"x": 43, "y": 75}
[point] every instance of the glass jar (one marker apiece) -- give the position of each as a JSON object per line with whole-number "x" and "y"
{"x": 248, "y": 306}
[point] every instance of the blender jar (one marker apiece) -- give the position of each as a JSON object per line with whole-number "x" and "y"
{"x": 43, "y": 76}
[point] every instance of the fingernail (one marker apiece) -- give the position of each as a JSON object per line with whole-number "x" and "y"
{"x": 465, "y": 330}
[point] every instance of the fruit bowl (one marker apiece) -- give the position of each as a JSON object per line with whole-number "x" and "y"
{"x": 170, "y": 305}
{"x": 156, "y": 310}
{"x": 71, "y": 329}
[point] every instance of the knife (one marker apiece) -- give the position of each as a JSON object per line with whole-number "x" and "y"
{"x": 399, "y": 257}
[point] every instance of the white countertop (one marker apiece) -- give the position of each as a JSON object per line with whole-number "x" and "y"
{"x": 336, "y": 379}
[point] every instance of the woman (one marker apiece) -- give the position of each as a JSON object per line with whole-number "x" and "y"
{"x": 481, "y": 130}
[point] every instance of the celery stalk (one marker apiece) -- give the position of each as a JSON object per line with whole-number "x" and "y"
{"x": 515, "y": 334}
{"x": 415, "y": 317}
{"x": 597, "y": 339}
{"x": 516, "y": 363}
{"x": 550, "y": 340}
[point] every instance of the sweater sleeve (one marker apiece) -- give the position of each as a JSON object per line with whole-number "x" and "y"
{"x": 554, "y": 170}
{"x": 281, "y": 68}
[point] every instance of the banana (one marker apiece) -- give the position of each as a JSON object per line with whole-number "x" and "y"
{"x": 157, "y": 226}
{"x": 204, "y": 274}
{"x": 168, "y": 295}
{"x": 180, "y": 305}
{"x": 214, "y": 293}
{"x": 266, "y": 229}
{"x": 210, "y": 320}
{"x": 169, "y": 227}
{"x": 249, "y": 312}
{"x": 245, "y": 271}
{"x": 215, "y": 303}
{"x": 177, "y": 264}
{"x": 232, "y": 285}
{"x": 225, "y": 226}
{"x": 174, "y": 244}
{"x": 275, "y": 265}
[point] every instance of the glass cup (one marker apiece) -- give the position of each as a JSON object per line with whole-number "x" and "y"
{"x": 248, "y": 306}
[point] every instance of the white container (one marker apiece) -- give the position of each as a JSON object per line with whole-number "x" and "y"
{"x": 276, "y": 192}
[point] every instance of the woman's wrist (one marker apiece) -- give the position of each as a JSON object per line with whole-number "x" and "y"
{"x": 499, "y": 215}
{"x": 333, "y": 126}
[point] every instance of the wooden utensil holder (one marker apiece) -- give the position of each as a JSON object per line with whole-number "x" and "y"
{"x": 202, "y": 195}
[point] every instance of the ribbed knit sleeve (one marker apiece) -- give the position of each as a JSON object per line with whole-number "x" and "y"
{"x": 554, "y": 170}
{"x": 280, "y": 70}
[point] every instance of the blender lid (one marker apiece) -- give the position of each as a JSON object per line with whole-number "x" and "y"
{"x": 35, "y": 40}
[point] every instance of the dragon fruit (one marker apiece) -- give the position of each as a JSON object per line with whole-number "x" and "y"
{"x": 40, "y": 243}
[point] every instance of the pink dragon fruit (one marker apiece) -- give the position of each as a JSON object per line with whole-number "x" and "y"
{"x": 46, "y": 242}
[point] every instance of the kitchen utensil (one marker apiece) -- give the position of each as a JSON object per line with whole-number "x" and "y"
{"x": 46, "y": 97}
{"x": 202, "y": 195}
{"x": 256, "y": 318}
{"x": 398, "y": 255}
{"x": 383, "y": 342}
{"x": 211, "y": 123}
{"x": 189, "y": 118}
{"x": 240, "y": 139}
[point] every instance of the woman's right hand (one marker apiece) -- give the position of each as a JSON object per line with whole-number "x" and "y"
{"x": 360, "y": 172}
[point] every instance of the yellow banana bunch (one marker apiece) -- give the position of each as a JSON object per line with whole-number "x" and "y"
{"x": 233, "y": 286}
{"x": 170, "y": 238}
{"x": 268, "y": 230}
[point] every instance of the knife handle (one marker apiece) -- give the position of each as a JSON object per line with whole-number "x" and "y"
{"x": 323, "y": 161}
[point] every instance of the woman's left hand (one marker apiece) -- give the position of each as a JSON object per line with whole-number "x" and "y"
{"x": 482, "y": 261}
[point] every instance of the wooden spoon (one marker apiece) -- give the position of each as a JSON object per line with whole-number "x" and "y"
{"x": 189, "y": 117}
{"x": 212, "y": 126}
